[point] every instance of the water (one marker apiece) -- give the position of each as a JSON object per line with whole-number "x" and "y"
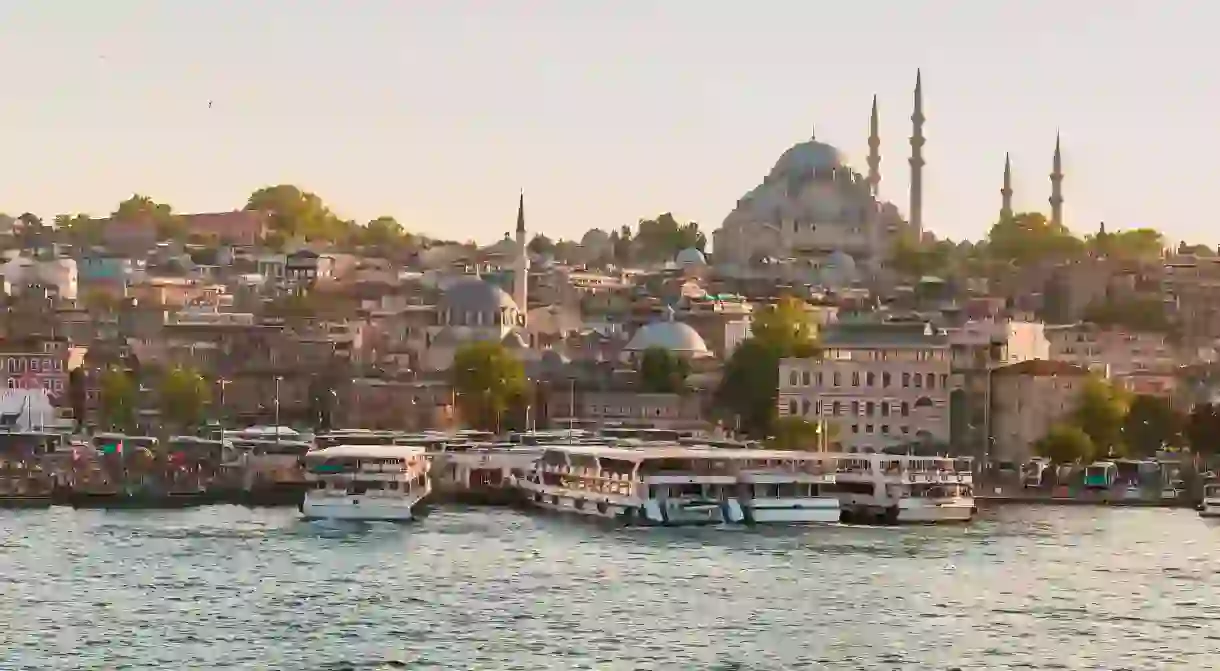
{"x": 231, "y": 588}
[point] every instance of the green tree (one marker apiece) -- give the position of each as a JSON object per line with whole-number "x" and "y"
{"x": 1151, "y": 423}
{"x": 914, "y": 258}
{"x": 1100, "y": 413}
{"x": 1066, "y": 444}
{"x": 184, "y": 396}
{"x": 541, "y": 245}
{"x": 487, "y": 380}
{"x": 785, "y": 325}
{"x": 662, "y": 372}
{"x": 1134, "y": 244}
{"x": 296, "y": 213}
{"x": 1203, "y": 429}
{"x": 117, "y": 397}
{"x": 749, "y": 384}
{"x": 794, "y": 433}
{"x": 661, "y": 238}
{"x": 79, "y": 229}
{"x": 1135, "y": 314}
{"x": 1029, "y": 237}
{"x": 142, "y": 208}
{"x": 384, "y": 231}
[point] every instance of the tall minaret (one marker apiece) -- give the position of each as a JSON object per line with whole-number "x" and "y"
{"x": 874, "y": 151}
{"x": 1056, "y": 198}
{"x": 1006, "y": 192}
{"x": 917, "y": 141}
{"x": 522, "y": 269}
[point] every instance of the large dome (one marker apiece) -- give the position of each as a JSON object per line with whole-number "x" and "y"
{"x": 668, "y": 335}
{"x": 690, "y": 257}
{"x": 806, "y": 157}
{"x": 473, "y": 294}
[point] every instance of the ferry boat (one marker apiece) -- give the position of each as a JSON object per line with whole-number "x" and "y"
{"x": 365, "y": 482}
{"x": 683, "y": 484}
{"x": 1211, "y": 500}
{"x": 894, "y": 489}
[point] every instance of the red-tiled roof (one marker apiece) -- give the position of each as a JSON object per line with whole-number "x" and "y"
{"x": 1042, "y": 368}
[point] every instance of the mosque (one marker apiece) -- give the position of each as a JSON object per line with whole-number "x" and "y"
{"x": 823, "y": 222}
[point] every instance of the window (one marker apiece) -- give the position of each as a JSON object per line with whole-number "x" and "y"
{"x": 792, "y": 407}
{"x": 837, "y": 380}
{"x": 885, "y": 428}
{"x": 885, "y": 408}
{"x": 906, "y": 409}
{"x": 805, "y": 378}
{"x": 931, "y": 381}
{"x": 12, "y": 383}
{"x": 855, "y": 378}
{"x": 906, "y": 380}
{"x": 944, "y": 381}
{"x": 792, "y": 379}
{"x": 805, "y": 407}
{"x": 819, "y": 378}
{"x": 869, "y": 408}
{"x": 855, "y": 408}
{"x": 836, "y": 409}
{"x": 885, "y": 379}
{"x": 855, "y": 428}
{"x": 46, "y": 365}
{"x": 918, "y": 381}
{"x": 868, "y": 429}
{"x": 34, "y": 365}
{"x": 870, "y": 379}
{"x": 906, "y": 429}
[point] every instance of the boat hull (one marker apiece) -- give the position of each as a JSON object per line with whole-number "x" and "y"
{"x": 360, "y": 508}
{"x": 1210, "y": 509}
{"x": 14, "y": 501}
{"x": 792, "y": 511}
{"x": 921, "y": 512}
{"x": 139, "y": 501}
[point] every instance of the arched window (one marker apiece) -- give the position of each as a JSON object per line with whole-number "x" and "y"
{"x": 870, "y": 379}
{"x": 792, "y": 379}
{"x": 805, "y": 407}
{"x": 923, "y": 402}
{"x": 885, "y": 379}
{"x": 792, "y": 407}
{"x": 906, "y": 409}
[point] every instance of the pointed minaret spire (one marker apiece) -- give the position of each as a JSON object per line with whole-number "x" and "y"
{"x": 1056, "y": 198}
{"x": 874, "y": 151}
{"x": 521, "y": 212}
{"x": 1006, "y": 192}
{"x": 917, "y": 142}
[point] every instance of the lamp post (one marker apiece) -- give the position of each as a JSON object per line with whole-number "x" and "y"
{"x": 278, "y": 380}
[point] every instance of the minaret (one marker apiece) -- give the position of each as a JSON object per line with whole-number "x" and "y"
{"x": 1056, "y": 198}
{"x": 874, "y": 152}
{"x": 522, "y": 269}
{"x": 917, "y": 141}
{"x": 1006, "y": 192}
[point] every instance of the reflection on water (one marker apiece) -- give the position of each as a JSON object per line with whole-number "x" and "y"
{"x": 1044, "y": 587}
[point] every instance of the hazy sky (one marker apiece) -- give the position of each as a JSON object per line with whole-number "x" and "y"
{"x": 437, "y": 112}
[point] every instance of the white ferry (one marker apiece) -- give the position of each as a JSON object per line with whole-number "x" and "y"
{"x": 684, "y": 484}
{"x": 365, "y": 482}
{"x": 1211, "y": 500}
{"x": 893, "y": 489}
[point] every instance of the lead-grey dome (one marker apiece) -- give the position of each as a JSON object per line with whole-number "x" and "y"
{"x": 473, "y": 294}
{"x": 672, "y": 336}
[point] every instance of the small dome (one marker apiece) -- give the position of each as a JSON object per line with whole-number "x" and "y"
{"x": 690, "y": 257}
{"x": 473, "y": 294}
{"x": 669, "y": 335}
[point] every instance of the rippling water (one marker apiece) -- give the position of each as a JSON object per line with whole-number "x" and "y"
{"x": 231, "y": 588}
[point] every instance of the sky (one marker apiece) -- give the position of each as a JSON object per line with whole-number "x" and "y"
{"x": 603, "y": 112}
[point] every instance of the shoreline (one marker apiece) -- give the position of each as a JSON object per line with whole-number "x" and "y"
{"x": 995, "y": 501}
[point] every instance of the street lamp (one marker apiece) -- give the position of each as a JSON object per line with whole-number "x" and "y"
{"x": 278, "y": 380}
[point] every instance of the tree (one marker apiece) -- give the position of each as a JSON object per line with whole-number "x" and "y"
{"x": 1151, "y": 423}
{"x": 1134, "y": 244}
{"x": 297, "y": 213}
{"x": 487, "y": 379}
{"x": 662, "y": 372}
{"x": 1066, "y": 444}
{"x": 80, "y": 229}
{"x": 785, "y": 325}
{"x": 77, "y": 395}
{"x": 541, "y": 245}
{"x": 117, "y": 393}
{"x": 384, "y": 231}
{"x": 142, "y": 208}
{"x": 914, "y": 258}
{"x": 794, "y": 433}
{"x": 749, "y": 385}
{"x": 1029, "y": 237}
{"x": 184, "y": 396}
{"x": 661, "y": 239}
{"x": 1100, "y": 414}
{"x": 1135, "y": 314}
{"x": 1203, "y": 428}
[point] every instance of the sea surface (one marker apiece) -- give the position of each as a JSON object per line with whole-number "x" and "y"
{"x": 496, "y": 589}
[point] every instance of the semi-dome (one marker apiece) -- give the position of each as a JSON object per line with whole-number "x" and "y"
{"x": 473, "y": 294}
{"x": 690, "y": 257}
{"x": 669, "y": 335}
